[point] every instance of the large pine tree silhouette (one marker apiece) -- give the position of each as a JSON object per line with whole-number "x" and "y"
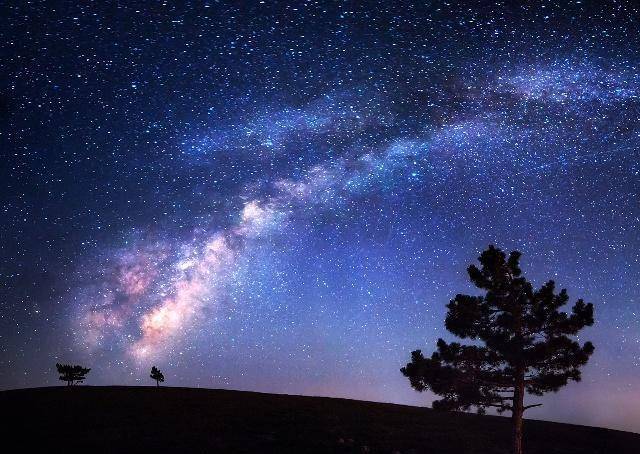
{"x": 524, "y": 344}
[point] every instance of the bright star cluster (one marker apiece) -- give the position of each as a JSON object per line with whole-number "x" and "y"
{"x": 283, "y": 196}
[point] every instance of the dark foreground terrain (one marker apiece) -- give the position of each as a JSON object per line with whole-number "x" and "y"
{"x": 150, "y": 420}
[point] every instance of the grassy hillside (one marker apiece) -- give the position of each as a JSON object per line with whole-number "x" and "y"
{"x": 149, "y": 420}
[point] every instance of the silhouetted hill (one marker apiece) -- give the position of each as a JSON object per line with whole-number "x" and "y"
{"x": 150, "y": 420}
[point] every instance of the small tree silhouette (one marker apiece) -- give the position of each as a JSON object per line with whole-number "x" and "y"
{"x": 523, "y": 344}
{"x": 157, "y": 375}
{"x": 72, "y": 374}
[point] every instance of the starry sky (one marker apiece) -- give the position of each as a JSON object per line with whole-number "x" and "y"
{"x": 283, "y": 196}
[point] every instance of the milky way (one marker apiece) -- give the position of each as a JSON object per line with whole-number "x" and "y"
{"x": 284, "y": 197}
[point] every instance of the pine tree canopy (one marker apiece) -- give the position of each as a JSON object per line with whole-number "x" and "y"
{"x": 521, "y": 338}
{"x": 156, "y": 374}
{"x": 72, "y": 374}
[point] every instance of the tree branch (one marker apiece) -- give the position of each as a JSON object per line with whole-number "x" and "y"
{"x": 531, "y": 406}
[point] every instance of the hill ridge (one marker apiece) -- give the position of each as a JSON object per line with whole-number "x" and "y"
{"x": 183, "y": 419}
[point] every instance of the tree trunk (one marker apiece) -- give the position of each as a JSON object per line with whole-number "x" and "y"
{"x": 518, "y": 411}
{"x": 157, "y": 384}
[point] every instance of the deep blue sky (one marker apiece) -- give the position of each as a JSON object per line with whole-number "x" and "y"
{"x": 283, "y": 198}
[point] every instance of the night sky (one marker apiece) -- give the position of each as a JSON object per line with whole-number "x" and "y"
{"x": 283, "y": 197}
